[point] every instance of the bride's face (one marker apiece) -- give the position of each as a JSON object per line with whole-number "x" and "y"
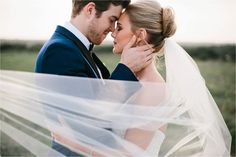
{"x": 122, "y": 34}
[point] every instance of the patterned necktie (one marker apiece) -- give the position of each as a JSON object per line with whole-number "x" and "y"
{"x": 91, "y": 51}
{"x": 91, "y": 47}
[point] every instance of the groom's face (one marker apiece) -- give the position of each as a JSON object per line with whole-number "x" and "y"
{"x": 99, "y": 27}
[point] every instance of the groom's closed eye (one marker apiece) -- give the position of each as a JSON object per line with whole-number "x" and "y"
{"x": 113, "y": 19}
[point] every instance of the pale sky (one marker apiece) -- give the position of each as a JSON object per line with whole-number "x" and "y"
{"x": 210, "y": 21}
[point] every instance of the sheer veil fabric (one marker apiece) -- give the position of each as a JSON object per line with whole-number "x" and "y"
{"x": 181, "y": 114}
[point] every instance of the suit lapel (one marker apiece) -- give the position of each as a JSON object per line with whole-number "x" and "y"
{"x": 83, "y": 49}
{"x": 105, "y": 72}
{"x": 87, "y": 55}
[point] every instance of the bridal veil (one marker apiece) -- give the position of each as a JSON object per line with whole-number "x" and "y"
{"x": 94, "y": 113}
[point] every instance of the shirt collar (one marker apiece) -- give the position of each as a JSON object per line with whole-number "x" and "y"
{"x": 69, "y": 26}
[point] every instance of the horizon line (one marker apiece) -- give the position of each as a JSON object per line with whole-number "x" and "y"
{"x": 107, "y": 42}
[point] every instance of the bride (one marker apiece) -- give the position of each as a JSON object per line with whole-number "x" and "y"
{"x": 153, "y": 24}
{"x": 175, "y": 116}
{"x": 149, "y": 23}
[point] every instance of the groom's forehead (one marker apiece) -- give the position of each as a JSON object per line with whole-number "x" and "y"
{"x": 113, "y": 11}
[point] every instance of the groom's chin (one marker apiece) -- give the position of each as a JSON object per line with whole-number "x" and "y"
{"x": 98, "y": 40}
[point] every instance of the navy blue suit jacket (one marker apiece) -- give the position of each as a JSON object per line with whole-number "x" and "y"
{"x": 65, "y": 54}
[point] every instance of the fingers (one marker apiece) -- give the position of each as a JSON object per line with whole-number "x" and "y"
{"x": 146, "y": 54}
{"x": 131, "y": 42}
{"x": 137, "y": 58}
{"x": 144, "y": 48}
{"x": 143, "y": 62}
{"x": 147, "y": 63}
{"x": 149, "y": 52}
{"x": 150, "y": 57}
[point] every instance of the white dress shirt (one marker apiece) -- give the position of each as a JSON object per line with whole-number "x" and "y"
{"x": 69, "y": 26}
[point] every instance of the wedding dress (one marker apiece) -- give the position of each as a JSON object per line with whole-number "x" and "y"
{"x": 95, "y": 114}
{"x": 155, "y": 144}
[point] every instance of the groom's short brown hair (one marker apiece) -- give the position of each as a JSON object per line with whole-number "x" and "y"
{"x": 101, "y": 5}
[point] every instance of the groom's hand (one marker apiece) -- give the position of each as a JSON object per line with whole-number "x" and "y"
{"x": 136, "y": 58}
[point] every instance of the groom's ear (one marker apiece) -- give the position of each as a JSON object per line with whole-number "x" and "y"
{"x": 89, "y": 9}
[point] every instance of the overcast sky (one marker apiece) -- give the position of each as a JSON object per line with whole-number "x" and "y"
{"x": 211, "y": 21}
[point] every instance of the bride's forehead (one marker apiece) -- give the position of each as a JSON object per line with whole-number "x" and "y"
{"x": 124, "y": 17}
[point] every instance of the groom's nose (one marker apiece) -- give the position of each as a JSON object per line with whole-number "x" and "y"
{"x": 112, "y": 27}
{"x": 113, "y": 34}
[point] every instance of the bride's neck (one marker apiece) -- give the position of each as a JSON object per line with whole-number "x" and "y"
{"x": 150, "y": 74}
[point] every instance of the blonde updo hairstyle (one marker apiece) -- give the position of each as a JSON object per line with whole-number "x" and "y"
{"x": 157, "y": 21}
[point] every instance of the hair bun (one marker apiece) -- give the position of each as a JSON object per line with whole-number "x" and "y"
{"x": 169, "y": 25}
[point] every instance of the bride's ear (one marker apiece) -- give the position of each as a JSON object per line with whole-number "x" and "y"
{"x": 141, "y": 35}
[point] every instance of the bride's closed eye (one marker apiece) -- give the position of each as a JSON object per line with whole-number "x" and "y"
{"x": 118, "y": 28}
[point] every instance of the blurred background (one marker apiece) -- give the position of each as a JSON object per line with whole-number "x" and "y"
{"x": 206, "y": 30}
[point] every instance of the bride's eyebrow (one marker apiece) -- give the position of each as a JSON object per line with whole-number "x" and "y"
{"x": 119, "y": 24}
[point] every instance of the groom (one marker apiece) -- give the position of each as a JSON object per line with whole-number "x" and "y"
{"x": 68, "y": 52}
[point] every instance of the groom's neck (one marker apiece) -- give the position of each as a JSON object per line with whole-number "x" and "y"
{"x": 81, "y": 23}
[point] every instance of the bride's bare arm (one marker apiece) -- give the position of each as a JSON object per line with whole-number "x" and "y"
{"x": 76, "y": 145}
{"x": 139, "y": 137}
{"x": 149, "y": 98}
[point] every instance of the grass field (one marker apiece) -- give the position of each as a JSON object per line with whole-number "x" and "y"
{"x": 219, "y": 76}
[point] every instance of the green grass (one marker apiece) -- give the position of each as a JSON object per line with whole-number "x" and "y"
{"x": 219, "y": 76}
{"x": 18, "y": 60}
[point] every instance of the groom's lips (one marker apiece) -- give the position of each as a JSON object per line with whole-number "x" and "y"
{"x": 106, "y": 32}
